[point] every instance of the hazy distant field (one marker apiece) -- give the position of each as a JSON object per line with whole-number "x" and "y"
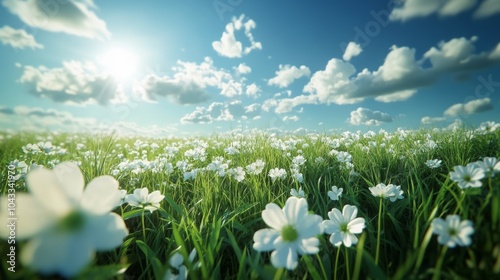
{"x": 212, "y": 192}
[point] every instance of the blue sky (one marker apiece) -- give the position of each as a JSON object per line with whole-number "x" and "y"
{"x": 184, "y": 67}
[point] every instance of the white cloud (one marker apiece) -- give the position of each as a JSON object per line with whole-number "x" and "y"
{"x": 217, "y": 111}
{"x": 291, "y": 118}
{"x": 431, "y": 120}
{"x": 243, "y": 69}
{"x": 190, "y": 83}
{"x": 351, "y": 51}
{"x": 487, "y": 9}
{"x": 75, "y": 83}
{"x": 471, "y": 107}
{"x": 18, "y": 38}
{"x": 398, "y": 78}
{"x": 420, "y": 8}
{"x": 287, "y": 74}
{"x": 229, "y": 46}
{"x": 363, "y": 116}
{"x": 253, "y": 90}
{"x": 70, "y": 16}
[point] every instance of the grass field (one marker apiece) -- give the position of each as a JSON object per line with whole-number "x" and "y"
{"x": 213, "y": 191}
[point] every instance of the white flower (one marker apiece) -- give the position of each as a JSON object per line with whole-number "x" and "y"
{"x": 433, "y": 163}
{"x": 277, "y": 173}
{"x": 390, "y": 191}
{"x": 489, "y": 165}
{"x": 453, "y": 232}
{"x": 335, "y": 193}
{"x": 343, "y": 226}
{"x": 67, "y": 224}
{"x": 293, "y": 232}
{"x": 142, "y": 198}
{"x": 467, "y": 176}
{"x": 300, "y": 193}
{"x": 176, "y": 262}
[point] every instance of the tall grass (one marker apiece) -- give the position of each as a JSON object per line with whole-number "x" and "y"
{"x": 218, "y": 216}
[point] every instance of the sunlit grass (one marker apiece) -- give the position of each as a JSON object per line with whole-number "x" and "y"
{"x": 218, "y": 216}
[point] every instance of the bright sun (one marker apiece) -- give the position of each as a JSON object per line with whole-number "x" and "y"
{"x": 119, "y": 63}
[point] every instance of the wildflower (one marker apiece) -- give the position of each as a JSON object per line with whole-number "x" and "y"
{"x": 256, "y": 168}
{"x": 467, "y": 176}
{"x": 390, "y": 191}
{"x": 175, "y": 262}
{"x": 277, "y": 173}
{"x": 489, "y": 165}
{"x": 433, "y": 163}
{"x": 453, "y": 232}
{"x": 300, "y": 193}
{"x": 293, "y": 232}
{"x": 142, "y": 198}
{"x": 335, "y": 193}
{"x": 67, "y": 224}
{"x": 343, "y": 226}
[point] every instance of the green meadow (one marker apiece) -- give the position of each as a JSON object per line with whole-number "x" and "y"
{"x": 214, "y": 198}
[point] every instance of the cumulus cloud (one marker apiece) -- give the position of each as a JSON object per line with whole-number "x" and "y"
{"x": 471, "y": 107}
{"x": 75, "y": 83}
{"x": 229, "y": 46}
{"x": 409, "y": 9}
{"x": 431, "y": 120}
{"x": 363, "y": 116}
{"x": 487, "y": 9}
{"x": 70, "y": 16}
{"x": 287, "y": 74}
{"x": 18, "y": 38}
{"x": 351, "y": 51}
{"x": 217, "y": 111}
{"x": 190, "y": 82}
{"x": 398, "y": 78}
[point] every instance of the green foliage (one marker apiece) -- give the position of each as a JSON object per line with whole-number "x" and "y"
{"x": 217, "y": 216}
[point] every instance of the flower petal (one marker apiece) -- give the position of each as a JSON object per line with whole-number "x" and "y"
{"x": 47, "y": 190}
{"x": 295, "y": 208}
{"x": 55, "y": 252}
{"x": 264, "y": 239}
{"x": 71, "y": 179}
{"x": 101, "y": 195}
{"x": 106, "y": 232}
{"x": 284, "y": 257}
{"x": 32, "y": 218}
{"x": 273, "y": 216}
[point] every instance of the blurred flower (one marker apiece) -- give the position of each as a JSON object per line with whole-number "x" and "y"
{"x": 300, "y": 193}
{"x": 453, "y": 232}
{"x": 467, "y": 176}
{"x": 433, "y": 163}
{"x": 293, "y": 232}
{"x": 67, "y": 224}
{"x": 277, "y": 173}
{"x": 343, "y": 226}
{"x": 390, "y": 191}
{"x": 335, "y": 193}
{"x": 142, "y": 198}
{"x": 489, "y": 165}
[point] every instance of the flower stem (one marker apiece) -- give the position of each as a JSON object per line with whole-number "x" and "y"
{"x": 336, "y": 264}
{"x": 378, "y": 231}
{"x": 347, "y": 268}
{"x": 439, "y": 263}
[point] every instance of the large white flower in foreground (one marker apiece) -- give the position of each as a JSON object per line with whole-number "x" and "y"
{"x": 66, "y": 223}
{"x": 452, "y": 231}
{"x": 343, "y": 226}
{"x": 293, "y": 231}
{"x": 142, "y": 198}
